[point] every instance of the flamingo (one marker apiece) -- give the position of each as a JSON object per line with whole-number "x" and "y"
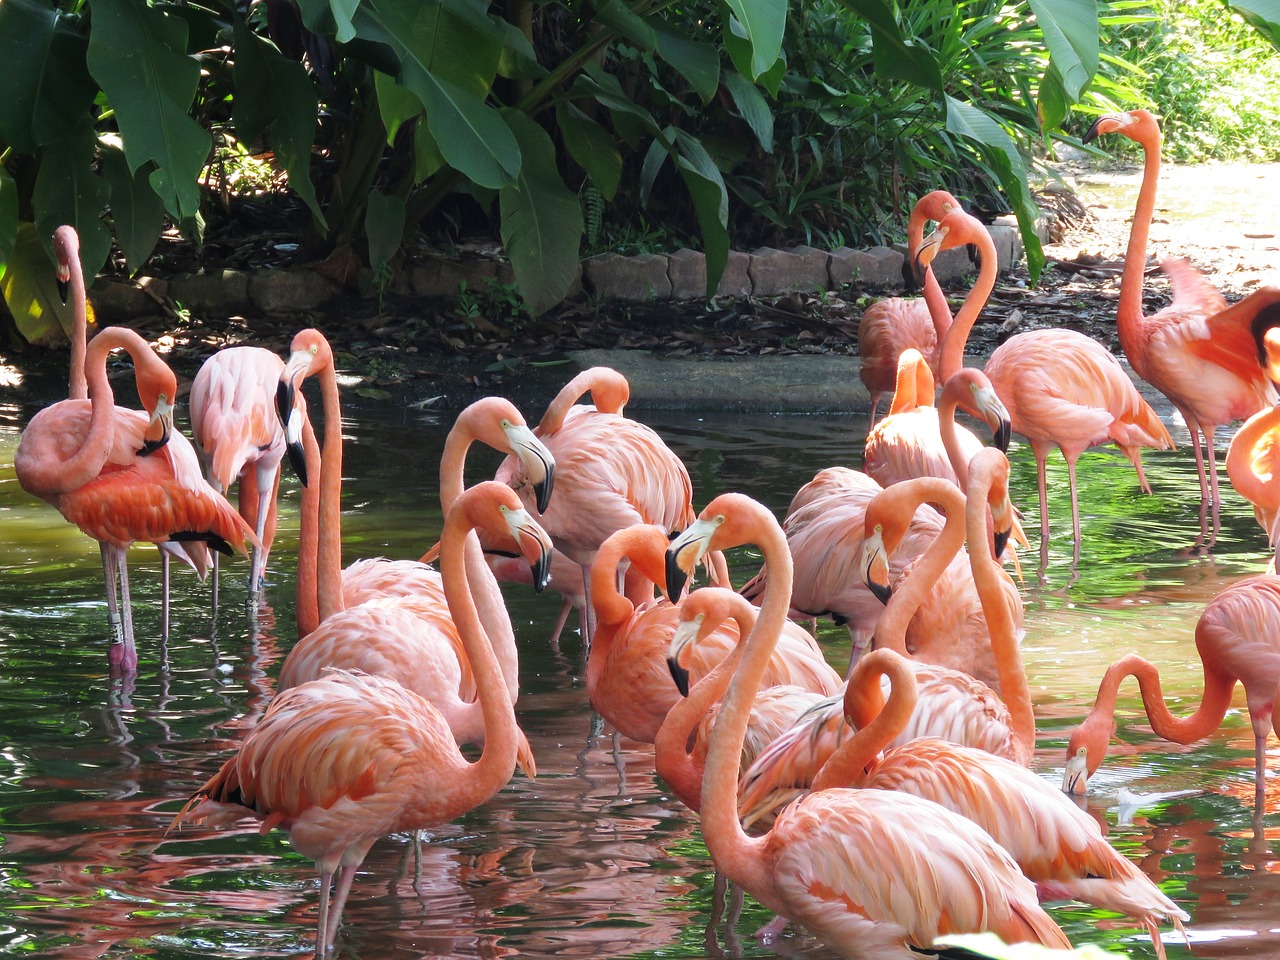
{"x": 614, "y": 472}
{"x": 953, "y": 705}
{"x": 107, "y": 470}
{"x": 890, "y": 326}
{"x": 1057, "y": 845}
{"x": 343, "y": 760}
{"x": 872, "y": 874}
{"x": 691, "y": 719}
{"x": 1238, "y": 639}
{"x": 240, "y": 438}
{"x": 628, "y": 681}
{"x": 1197, "y": 351}
{"x": 1061, "y": 388}
{"x": 409, "y": 637}
{"x": 1251, "y": 457}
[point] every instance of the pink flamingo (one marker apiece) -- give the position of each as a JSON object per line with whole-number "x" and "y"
{"x": 1197, "y": 351}
{"x": 628, "y": 681}
{"x": 1061, "y": 388}
{"x": 953, "y": 705}
{"x": 872, "y": 874}
{"x": 109, "y": 471}
{"x": 1057, "y": 845}
{"x": 1252, "y": 456}
{"x": 613, "y": 472}
{"x": 890, "y": 326}
{"x": 1238, "y": 639}
{"x": 240, "y": 439}
{"x": 343, "y": 760}
{"x": 680, "y": 747}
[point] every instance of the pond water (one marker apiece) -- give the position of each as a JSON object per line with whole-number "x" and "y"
{"x": 582, "y": 861}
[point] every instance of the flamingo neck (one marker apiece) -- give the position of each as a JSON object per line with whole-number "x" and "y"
{"x": 670, "y": 747}
{"x": 308, "y": 536}
{"x": 951, "y": 439}
{"x": 1129, "y": 310}
{"x": 497, "y": 760}
{"x": 329, "y": 553}
{"x": 573, "y": 391}
{"x": 643, "y": 544}
{"x": 891, "y": 628}
{"x": 877, "y": 722}
{"x": 1240, "y": 459}
{"x": 994, "y": 587}
{"x": 951, "y": 353}
{"x": 939, "y": 310}
{"x": 78, "y": 385}
{"x": 738, "y": 856}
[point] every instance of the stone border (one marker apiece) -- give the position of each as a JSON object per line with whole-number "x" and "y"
{"x": 649, "y": 277}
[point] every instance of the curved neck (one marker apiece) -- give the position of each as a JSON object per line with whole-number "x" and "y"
{"x": 939, "y": 309}
{"x": 453, "y": 463}
{"x": 309, "y": 536}
{"x": 891, "y": 628}
{"x": 1240, "y": 458}
{"x": 329, "y": 552}
{"x": 78, "y": 385}
{"x": 994, "y": 586}
{"x": 877, "y": 722}
{"x": 498, "y": 758}
{"x": 951, "y": 438}
{"x": 951, "y": 353}
{"x": 1129, "y": 309}
{"x": 644, "y": 546}
{"x": 738, "y": 856}
{"x": 913, "y": 386}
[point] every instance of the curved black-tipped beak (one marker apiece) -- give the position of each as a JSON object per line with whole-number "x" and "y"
{"x": 676, "y": 577}
{"x": 1001, "y": 436}
{"x": 284, "y": 401}
{"x": 1092, "y": 133}
{"x": 680, "y": 675}
{"x": 541, "y": 571}
{"x": 64, "y": 289}
{"x": 881, "y": 591}
{"x": 297, "y": 460}
{"x": 151, "y": 446}
{"x": 1001, "y": 541}
{"x": 542, "y": 491}
{"x": 285, "y": 410}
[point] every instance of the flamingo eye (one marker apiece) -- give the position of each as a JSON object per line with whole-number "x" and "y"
{"x": 505, "y": 424}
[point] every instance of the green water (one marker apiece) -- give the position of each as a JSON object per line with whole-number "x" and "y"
{"x": 578, "y": 862}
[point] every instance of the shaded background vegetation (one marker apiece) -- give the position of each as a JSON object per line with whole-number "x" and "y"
{"x": 566, "y": 129}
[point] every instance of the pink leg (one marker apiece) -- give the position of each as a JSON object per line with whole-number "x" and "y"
{"x": 1040, "y": 455}
{"x": 561, "y": 619}
{"x": 1212, "y": 468}
{"x": 322, "y": 916}
{"x": 164, "y": 595}
{"x": 1075, "y": 506}
{"x": 111, "y": 573}
{"x": 345, "y": 877}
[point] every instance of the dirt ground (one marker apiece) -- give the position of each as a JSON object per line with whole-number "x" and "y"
{"x": 1213, "y": 216}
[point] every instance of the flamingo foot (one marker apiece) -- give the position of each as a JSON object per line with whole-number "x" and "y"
{"x": 769, "y": 932}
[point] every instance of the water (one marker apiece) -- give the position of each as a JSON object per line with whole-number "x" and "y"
{"x": 579, "y": 862}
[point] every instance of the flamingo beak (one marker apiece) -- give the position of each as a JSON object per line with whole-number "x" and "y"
{"x": 1075, "y": 778}
{"x": 161, "y": 417}
{"x": 535, "y": 546}
{"x": 875, "y": 567}
{"x": 686, "y": 552}
{"x": 996, "y": 416}
{"x": 686, "y": 633}
{"x": 287, "y": 408}
{"x": 537, "y": 461}
{"x": 63, "y": 279}
{"x": 1107, "y": 123}
{"x": 928, "y": 250}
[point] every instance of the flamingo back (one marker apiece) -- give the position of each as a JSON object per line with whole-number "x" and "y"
{"x": 233, "y": 412}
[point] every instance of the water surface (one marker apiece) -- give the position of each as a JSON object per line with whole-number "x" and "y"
{"x": 594, "y": 858}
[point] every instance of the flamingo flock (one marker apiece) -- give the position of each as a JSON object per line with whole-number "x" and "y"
{"x": 879, "y": 810}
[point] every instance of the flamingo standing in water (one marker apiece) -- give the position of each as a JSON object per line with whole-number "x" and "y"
{"x": 240, "y": 439}
{"x": 1238, "y": 639}
{"x": 1058, "y": 846}
{"x": 1197, "y": 351}
{"x": 628, "y": 681}
{"x": 953, "y": 705}
{"x": 894, "y": 324}
{"x": 343, "y": 760}
{"x": 1253, "y": 458}
{"x": 680, "y": 747}
{"x": 614, "y": 472}
{"x": 872, "y": 874}
{"x": 1061, "y": 388}
{"x": 109, "y": 471}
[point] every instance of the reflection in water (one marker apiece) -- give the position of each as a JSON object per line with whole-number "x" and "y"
{"x": 580, "y": 862}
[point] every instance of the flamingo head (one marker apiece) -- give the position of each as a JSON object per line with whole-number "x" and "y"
{"x": 1139, "y": 125}
{"x": 493, "y": 508}
{"x": 1085, "y": 751}
{"x": 726, "y": 522}
{"x": 932, "y": 206}
{"x": 875, "y": 563}
{"x": 158, "y": 391}
{"x": 955, "y": 229}
{"x": 66, "y": 248}
{"x": 685, "y": 636}
{"x": 971, "y": 389}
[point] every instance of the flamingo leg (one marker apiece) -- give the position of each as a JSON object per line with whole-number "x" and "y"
{"x": 345, "y": 877}
{"x": 1211, "y": 468}
{"x": 322, "y": 915}
{"x": 586, "y": 614}
{"x": 164, "y": 595}
{"x": 561, "y": 619}
{"x": 111, "y": 573}
{"x": 1075, "y": 507}
{"x": 1260, "y": 773}
{"x": 215, "y": 584}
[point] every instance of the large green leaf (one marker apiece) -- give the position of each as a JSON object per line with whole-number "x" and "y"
{"x": 972, "y": 122}
{"x": 396, "y": 104}
{"x": 449, "y": 39}
{"x": 697, "y": 62}
{"x": 139, "y": 57}
{"x": 8, "y": 214}
{"x": 765, "y": 22}
{"x": 592, "y": 147}
{"x": 68, "y": 191}
{"x": 740, "y": 52}
{"x": 618, "y": 17}
{"x": 136, "y": 211}
{"x": 47, "y": 89}
{"x": 30, "y": 289}
{"x": 1263, "y": 16}
{"x": 752, "y": 107}
{"x": 897, "y": 57}
{"x": 1070, "y": 29}
{"x": 272, "y": 91}
{"x": 384, "y": 226}
{"x": 541, "y": 220}
{"x": 710, "y": 204}
{"x": 472, "y": 137}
